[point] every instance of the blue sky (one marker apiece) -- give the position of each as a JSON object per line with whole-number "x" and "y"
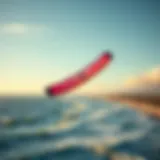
{"x": 44, "y": 41}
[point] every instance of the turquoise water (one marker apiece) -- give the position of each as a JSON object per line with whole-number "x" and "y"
{"x": 75, "y": 128}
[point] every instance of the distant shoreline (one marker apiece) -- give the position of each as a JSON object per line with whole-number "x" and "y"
{"x": 144, "y": 103}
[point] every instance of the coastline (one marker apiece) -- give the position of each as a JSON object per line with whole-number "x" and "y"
{"x": 144, "y": 103}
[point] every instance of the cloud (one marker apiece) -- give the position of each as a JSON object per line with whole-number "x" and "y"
{"x": 19, "y": 28}
{"x": 148, "y": 82}
{"x": 152, "y": 77}
{"x": 14, "y": 28}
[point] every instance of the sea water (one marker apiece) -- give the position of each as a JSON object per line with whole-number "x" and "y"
{"x": 75, "y": 128}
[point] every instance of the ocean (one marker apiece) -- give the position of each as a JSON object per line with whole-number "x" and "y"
{"x": 75, "y": 128}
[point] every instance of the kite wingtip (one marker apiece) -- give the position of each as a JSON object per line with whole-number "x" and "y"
{"x": 108, "y": 54}
{"x": 48, "y": 92}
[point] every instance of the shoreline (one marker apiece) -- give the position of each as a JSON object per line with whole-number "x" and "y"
{"x": 147, "y": 104}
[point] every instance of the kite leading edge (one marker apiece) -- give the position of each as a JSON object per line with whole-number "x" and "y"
{"x": 79, "y": 78}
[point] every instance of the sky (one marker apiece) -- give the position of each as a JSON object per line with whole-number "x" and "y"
{"x": 45, "y": 41}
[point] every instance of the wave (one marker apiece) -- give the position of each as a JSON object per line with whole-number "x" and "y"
{"x": 72, "y": 126}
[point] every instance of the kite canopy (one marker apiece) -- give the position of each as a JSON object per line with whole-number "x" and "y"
{"x": 80, "y": 77}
